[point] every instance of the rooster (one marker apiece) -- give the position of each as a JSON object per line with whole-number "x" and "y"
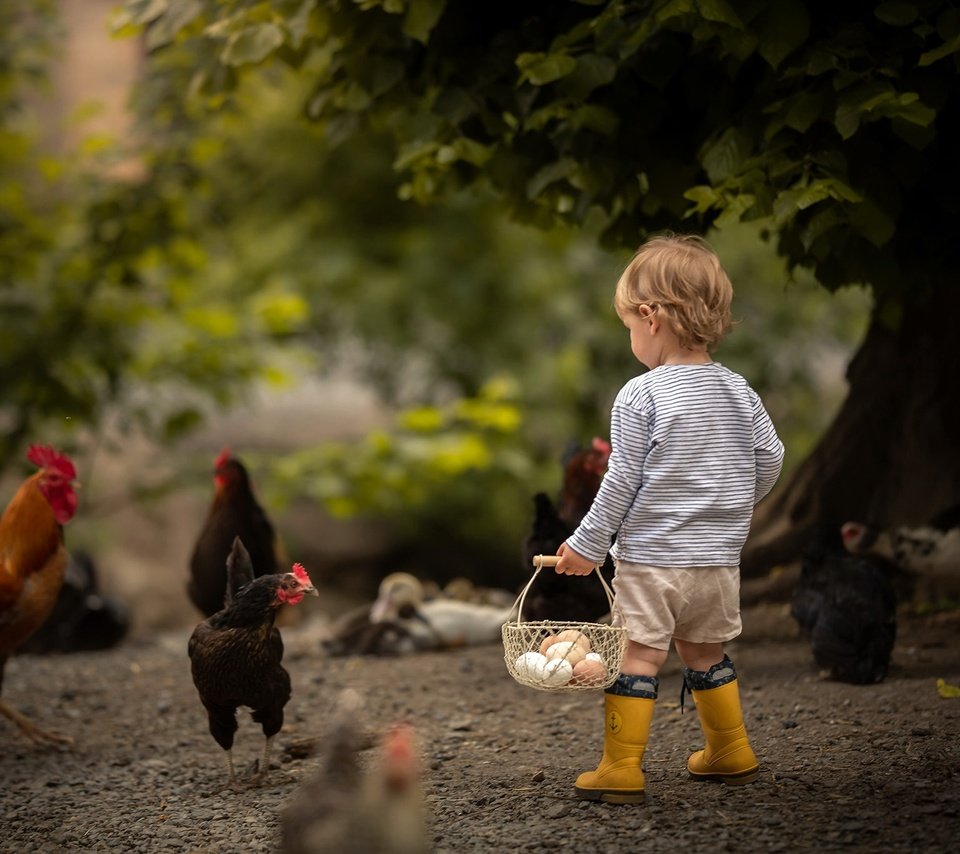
{"x": 234, "y": 512}
{"x": 563, "y": 597}
{"x": 33, "y": 560}
{"x": 235, "y": 655}
{"x": 354, "y": 810}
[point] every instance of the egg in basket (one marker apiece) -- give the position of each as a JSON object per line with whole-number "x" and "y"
{"x": 563, "y": 655}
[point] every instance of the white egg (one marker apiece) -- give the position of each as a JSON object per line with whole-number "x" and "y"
{"x": 593, "y": 656}
{"x": 568, "y": 650}
{"x": 556, "y": 672}
{"x": 530, "y": 666}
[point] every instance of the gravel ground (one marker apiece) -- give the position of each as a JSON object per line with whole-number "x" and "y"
{"x": 865, "y": 768}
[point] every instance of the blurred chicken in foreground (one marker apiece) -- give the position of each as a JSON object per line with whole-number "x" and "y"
{"x": 234, "y": 512}
{"x": 357, "y": 807}
{"x": 235, "y": 655}
{"x": 33, "y": 561}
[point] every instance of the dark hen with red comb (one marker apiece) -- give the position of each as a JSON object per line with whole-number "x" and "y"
{"x": 234, "y": 512}
{"x": 236, "y": 655}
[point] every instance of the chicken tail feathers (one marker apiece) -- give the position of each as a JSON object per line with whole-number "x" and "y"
{"x": 239, "y": 571}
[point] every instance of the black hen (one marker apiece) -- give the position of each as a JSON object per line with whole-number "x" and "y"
{"x": 234, "y": 512}
{"x": 846, "y": 606}
{"x": 236, "y": 654}
{"x": 564, "y": 597}
{"x": 84, "y": 618}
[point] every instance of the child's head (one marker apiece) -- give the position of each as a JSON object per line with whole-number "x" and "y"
{"x": 680, "y": 277}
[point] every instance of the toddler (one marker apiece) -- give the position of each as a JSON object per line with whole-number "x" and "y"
{"x": 693, "y": 451}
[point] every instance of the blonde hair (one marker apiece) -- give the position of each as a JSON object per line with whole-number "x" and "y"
{"x": 680, "y": 277}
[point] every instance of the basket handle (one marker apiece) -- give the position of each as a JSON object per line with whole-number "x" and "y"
{"x": 539, "y": 562}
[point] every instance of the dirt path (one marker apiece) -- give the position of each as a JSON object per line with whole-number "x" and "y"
{"x": 872, "y": 768}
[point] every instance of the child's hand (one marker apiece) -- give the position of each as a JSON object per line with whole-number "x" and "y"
{"x": 572, "y": 563}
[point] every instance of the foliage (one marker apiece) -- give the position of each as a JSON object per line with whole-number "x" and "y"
{"x": 830, "y": 118}
{"x": 98, "y": 280}
{"x": 432, "y": 477}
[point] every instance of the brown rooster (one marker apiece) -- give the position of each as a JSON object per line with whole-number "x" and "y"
{"x": 234, "y": 512}
{"x": 33, "y": 561}
{"x": 236, "y": 654}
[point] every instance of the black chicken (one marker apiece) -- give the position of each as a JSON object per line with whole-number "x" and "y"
{"x": 350, "y": 807}
{"x": 846, "y": 606}
{"x": 84, "y": 618}
{"x": 236, "y": 654}
{"x": 564, "y": 597}
{"x": 234, "y": 512}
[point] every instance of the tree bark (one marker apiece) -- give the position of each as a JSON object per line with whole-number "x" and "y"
{"x": 891, "y": 455}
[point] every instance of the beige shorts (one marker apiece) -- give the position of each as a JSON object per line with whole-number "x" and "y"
{"x": 699, "y": 604}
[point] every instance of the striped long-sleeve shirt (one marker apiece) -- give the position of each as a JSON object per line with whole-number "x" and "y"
{"x": 693, "y": 451}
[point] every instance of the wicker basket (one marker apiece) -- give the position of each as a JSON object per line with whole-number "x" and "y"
{"x": 530, "y": 662}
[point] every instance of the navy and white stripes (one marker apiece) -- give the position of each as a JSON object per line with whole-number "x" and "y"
{"x": 693, "y": 451}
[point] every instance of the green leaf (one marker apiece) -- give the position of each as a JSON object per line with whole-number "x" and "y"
{"x": 724, "y": 157}
{"x": 896, "y": 13}
{"x": 592, "y": 71}
{"x": 673, "y": 9}
{"x": 804, "y": 110}
{"x": 946, "y": 690}
{"x": 144, "y": 11}
{"x": 298, "y": 22}
{"x": 932, "y": 56}
{"x": 550, "y": 174}
{"x": 736, "y": 207}
{"x": 422, "y": 17}
{"x": 704, "y": 197}
{"x": 596, "y": 118}
{"x": 252, "y": 44}
{"x": 721, "y": 12}
{"x": 784, "y": 27}
{"x": 873, "y": 223}
{"x": 820, "y": 223}
{"x": 543, "y": 68}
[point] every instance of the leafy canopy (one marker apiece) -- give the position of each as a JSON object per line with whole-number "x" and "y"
{"x": 836, "y": 121}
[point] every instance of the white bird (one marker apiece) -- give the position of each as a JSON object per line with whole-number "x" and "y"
{"x": 929, "y": 552}
{"x": 438, "y": 623}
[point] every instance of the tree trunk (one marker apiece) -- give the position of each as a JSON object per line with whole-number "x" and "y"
{"x": 891, "y": 456}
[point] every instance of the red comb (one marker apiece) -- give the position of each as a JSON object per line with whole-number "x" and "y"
{"x": 399, "y": 757}
{"x": 222, "y": 458}
{"x": 301, "y": 574}
{"x": 45, "y": 457}
{"x": 602, "y": 446}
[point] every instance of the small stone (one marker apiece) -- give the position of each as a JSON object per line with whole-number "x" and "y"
{"x": 539, "y": 777}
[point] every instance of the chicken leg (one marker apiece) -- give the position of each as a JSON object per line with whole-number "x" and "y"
{"x": 264, "y": 760}
{"x": 31, "y": 730}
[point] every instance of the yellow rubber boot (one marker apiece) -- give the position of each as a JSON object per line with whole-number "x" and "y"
{"x": 727, "y": 757}
{"x": 618, "y": 779}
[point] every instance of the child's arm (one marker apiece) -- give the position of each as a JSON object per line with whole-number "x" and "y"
{"x": 768, "y": 450}
{"x": 618, "y": 489}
